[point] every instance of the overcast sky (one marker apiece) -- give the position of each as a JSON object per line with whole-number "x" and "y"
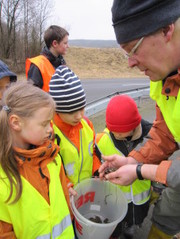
{"x": 85, "y": 19}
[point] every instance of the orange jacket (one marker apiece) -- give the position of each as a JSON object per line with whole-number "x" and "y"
{"x": 29, "y": 169}
{"x": 72, "y": 133}
{"x": 45, "y": 67}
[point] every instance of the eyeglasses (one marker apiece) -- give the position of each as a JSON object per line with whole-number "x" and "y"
{"x": 134, "y": 49}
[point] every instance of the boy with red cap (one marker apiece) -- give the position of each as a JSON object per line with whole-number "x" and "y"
{"x": 126, "y": 130}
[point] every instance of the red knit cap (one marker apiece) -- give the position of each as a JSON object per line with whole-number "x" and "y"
{"x": 122, "y": 114}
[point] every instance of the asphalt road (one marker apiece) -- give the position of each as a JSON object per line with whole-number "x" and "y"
{"x": 98, "y": 88}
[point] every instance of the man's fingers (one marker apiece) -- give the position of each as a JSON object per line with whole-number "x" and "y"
{"x": 112, "y": 175}
{"x": 103, "y": 167}
{"x": 108, "y": 158}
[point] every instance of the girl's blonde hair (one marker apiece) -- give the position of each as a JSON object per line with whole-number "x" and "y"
{"x": 22, "y": 99}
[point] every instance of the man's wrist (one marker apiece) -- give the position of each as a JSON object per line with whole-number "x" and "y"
{"x": 131, "y": 160}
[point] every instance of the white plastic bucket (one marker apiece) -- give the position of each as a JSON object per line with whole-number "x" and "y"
{"x": 101, "y": 201}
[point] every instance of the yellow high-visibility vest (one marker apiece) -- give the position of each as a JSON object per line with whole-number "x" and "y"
{"x": 31, "y": 216}
{"x": 170, "y": 108}
{"x": 78, "y": 165}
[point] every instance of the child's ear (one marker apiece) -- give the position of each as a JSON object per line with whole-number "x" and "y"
{"x": 54, "y": 44}
{"x": 15, "y": 122}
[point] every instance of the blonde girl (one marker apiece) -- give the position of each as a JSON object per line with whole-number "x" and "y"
{"x": 33, "y": 195}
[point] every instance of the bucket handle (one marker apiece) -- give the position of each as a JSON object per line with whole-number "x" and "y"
{"x": 72, "y": 209}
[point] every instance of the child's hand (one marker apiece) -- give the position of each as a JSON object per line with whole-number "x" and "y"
{"x": 72, "y": 192}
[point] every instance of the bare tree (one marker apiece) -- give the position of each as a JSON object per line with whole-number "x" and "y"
{"x": 7, "y": 24}
{"x": 26, "y": 23}
{"x": 22, "y": 25}
{"x": 45, "y": 8}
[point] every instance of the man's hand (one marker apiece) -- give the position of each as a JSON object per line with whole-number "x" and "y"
{"x": 114, "y": 162}
{"x": 125, "y": 175}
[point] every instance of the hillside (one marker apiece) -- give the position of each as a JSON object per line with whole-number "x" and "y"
{"x": 99, "y": 63}
{"x": 92, "y": 62}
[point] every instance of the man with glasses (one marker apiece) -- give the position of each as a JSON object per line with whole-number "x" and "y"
{"x": 148, "y": 31}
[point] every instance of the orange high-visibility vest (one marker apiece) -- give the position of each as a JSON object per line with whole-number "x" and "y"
{"x": 45, "y": 67}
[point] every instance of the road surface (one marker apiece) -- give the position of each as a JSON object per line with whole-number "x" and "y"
{"x": 98, "y": 88}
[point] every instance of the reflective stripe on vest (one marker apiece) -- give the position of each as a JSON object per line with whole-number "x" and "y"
{"x": 37, "y": 218}
{"x": 45, "y": 67}
{"x": 78, "y": 165}
{"x": 170, "y": 108}
{"x": 139, "y": 191}
{"x": 58, "y": 229}
{"x": 138, "y": 197}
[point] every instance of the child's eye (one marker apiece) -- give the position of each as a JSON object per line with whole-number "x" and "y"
{"x": 44, "y": 124}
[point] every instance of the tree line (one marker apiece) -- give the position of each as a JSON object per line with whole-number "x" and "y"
{"x": 22, "y": 25}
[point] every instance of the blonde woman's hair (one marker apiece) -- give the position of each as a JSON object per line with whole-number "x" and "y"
{"x": 22, "y": 99}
